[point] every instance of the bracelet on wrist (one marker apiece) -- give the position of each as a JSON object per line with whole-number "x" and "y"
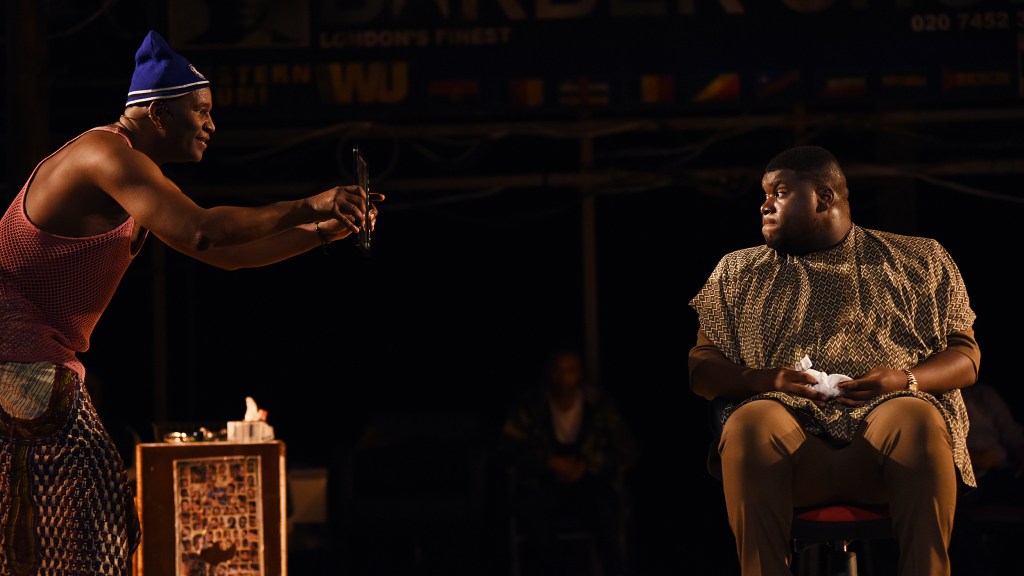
{"x": 324, "y": 240}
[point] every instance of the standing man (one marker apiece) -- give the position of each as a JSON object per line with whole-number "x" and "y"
{"x": 66, "y": 506}
{"x": 888, "y": 316}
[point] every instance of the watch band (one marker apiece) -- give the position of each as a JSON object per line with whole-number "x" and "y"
{"x": 911, "y": 380}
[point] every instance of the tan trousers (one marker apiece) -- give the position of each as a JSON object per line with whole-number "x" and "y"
{"x": 902, "y": 455}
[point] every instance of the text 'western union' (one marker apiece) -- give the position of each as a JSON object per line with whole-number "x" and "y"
{"x": 248, "y": 85}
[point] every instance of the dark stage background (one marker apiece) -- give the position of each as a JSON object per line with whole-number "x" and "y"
{"x": 516, "y": 142}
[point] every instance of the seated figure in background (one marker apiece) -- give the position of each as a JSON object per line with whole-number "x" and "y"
{"x": 995, "y": 441}
{"x": 988, "y": 516}
{"x": 567, "y": 448}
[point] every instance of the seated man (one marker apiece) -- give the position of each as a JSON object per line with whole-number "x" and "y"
{"x": 885, "y": 321}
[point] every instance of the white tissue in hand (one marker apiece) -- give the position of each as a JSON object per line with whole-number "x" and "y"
{"x": 827, "y": 384}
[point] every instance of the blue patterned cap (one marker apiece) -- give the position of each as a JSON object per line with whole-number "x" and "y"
{"x": 161, "y": 73}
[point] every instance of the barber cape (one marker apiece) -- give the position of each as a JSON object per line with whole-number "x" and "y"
{"x": 874, "y": 299}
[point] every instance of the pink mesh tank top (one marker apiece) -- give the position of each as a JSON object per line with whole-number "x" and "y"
{"x": 53, "y": 289}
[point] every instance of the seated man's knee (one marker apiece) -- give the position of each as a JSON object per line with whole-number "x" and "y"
{"x": 761, "y": 424}
{"x": 911, "y": 434}
{"x": 908, "y": 419}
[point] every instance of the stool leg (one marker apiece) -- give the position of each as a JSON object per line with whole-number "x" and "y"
{"x": 842, "y": 561}
{"x": 809, "y": 560}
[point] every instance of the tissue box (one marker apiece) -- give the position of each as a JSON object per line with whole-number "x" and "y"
{"x": 249, "y": 431}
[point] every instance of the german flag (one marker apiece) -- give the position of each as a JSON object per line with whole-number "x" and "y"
{"x": 657, "y": 88}
{"x": 526, "y": 92}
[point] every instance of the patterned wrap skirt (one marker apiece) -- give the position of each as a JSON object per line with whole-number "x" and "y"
{"x": 67, "y": 507}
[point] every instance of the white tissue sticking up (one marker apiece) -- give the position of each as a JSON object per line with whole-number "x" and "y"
{"x": 252, "y": 412}
{"x": 827, "y": 383}
{"x": 253, "y": 428}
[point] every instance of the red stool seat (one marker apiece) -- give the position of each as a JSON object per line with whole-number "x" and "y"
{"x": 837, "y": 526}
{"x": 843, "y": 513}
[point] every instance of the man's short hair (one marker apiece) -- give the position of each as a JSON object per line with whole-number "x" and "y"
{"x": 814, "y": 163}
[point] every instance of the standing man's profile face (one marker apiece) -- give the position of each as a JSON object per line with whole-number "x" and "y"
{"x": 188, "y": 122}
{"x": 791, "y": 214}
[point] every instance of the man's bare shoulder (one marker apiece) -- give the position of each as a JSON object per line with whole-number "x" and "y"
{"x": 108, "y": 160}
{"x": 69, "y": 194}
{"x": 82, "y": 159}
{"x": 101, "y": 142}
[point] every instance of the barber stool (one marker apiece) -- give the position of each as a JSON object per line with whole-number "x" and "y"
{"x": 835, "y": 528}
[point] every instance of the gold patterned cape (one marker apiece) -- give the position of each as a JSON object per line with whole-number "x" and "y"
{"x": 874, "y": 299}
